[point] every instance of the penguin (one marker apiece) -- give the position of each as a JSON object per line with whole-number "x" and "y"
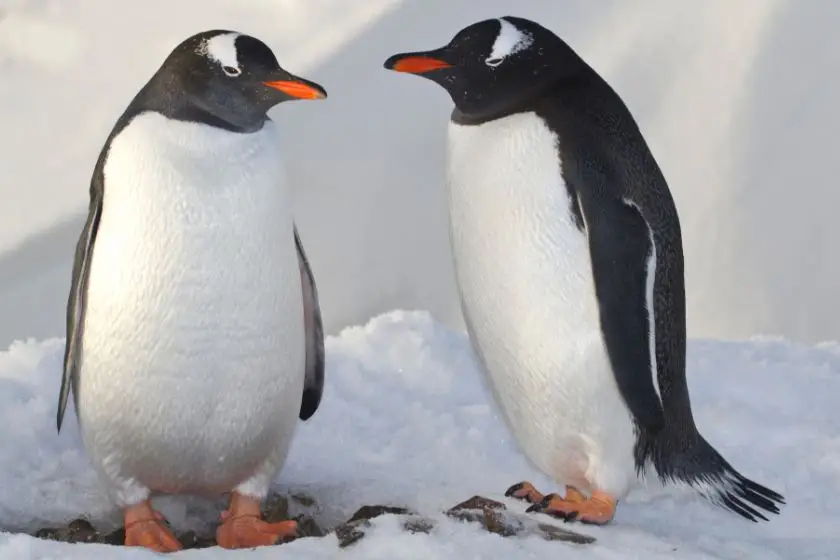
{"x": 194, "y": 334}
{"x": 568, "y": 259}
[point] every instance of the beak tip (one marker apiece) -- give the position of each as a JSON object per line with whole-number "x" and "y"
{"x": 391, "y": 62}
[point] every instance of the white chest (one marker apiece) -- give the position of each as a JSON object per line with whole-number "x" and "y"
{"x": 525, "y": 278}
{"x": 520, "y": 258}
{"x": 194, "y": 309}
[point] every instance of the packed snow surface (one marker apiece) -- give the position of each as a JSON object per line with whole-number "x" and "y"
{"x": 405, "y": 421}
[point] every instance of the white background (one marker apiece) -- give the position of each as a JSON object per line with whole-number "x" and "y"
{"x": 738, "y": 101}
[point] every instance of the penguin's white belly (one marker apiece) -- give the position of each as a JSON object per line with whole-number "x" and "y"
{"x": 525, "y": 278}
{"x": 193, "y": 350}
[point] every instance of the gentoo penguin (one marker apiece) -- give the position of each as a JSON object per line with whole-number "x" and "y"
{"x": 194, "y": 339}
{"x": 568, "y": 258}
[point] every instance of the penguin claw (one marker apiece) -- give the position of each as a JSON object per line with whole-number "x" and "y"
{"x": 597, "y": 510}
{"x": 544, "y": 506}
{"x": 524, "y": 491}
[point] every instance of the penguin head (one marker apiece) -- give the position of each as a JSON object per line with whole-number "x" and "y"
{"x": 495, "y": 65}
{"x": 230, "y": 77}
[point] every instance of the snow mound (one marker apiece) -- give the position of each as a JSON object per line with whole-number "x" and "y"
{"x": 405, "y": 421}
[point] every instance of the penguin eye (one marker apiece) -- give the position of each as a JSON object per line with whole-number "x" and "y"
{"x": 493, "y": 62}
{"x": 232, "y": 71}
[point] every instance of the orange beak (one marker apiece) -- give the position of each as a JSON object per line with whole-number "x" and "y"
{"x": 297, "y": 89}
{"x": 417, "y": 64}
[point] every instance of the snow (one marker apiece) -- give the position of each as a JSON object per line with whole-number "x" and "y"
{"x": 737, "y": 99}
{"x": 405, "y": 421}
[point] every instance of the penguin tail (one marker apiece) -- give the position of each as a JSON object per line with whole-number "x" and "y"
{"x": 708, "y": 473}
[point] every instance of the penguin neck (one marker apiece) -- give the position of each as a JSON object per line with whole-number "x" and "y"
{"x": 462, "y": 117}
{"x": 165, "y": 95}
{"x": 524, "y": 99}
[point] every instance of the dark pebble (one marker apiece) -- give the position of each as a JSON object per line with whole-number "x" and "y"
{"x": 275, "y": 508}
{"x": 303, "y": 500}
{"x": 309, "y": 528}
{"x": 419, "y": 525}
{"x": 81, "y": 531}
{"x": 478, "y": 502}
{"x": 116, "y": 538}
{"x": 369, "y": 512}
{"x": 351, "y": 532}
{"x": 49, "y": 534}
{"x": 555, "y": 533}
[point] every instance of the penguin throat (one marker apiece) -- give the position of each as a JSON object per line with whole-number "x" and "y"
{"x": 173, "y": 101}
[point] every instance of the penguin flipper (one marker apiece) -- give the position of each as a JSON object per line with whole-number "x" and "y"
{"x": 313, "y": 383}
{"x": 621, "y": 246}
{"x": 77, "y": 298}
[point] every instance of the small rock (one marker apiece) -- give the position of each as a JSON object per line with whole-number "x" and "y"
{"x": 275, "y": 508}
{"x": 351, "y": 532}
{"x": 303, "y": 499}
{"x": 308, "y": 527}
{"x": 555, "y": 533}
{"x": 48, "y": 534}
{"x": 81, "y": 531}
{"x": 77, "y": 531}
{"x": 418, "y": 525}
{"x": 116, "y": 537}
{"x": 501, "y": 525}
{"x": 478, "y": 502}
{"x": 495, "y": 518}
{"x": 189, "y": 540}
{"x": 369, "y": 512}
{"x": 489, "y": 513}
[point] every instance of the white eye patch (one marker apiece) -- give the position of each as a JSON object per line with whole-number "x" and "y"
{"x": 222, "y": 49}
{"x": 510, "y": 41}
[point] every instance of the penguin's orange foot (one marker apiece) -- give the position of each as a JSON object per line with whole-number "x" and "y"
{"x": 525, "y": 491}
{"x": 599, "y": 509}
{"x": 144, "y": 527}
{"x": 242, "y": 526}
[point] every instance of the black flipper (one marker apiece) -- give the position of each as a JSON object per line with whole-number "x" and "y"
{"x": 620, "y": 247}
{"x": 313, "y": 384}
{"x": 621, "y": 244}
{"x": 78, "y": 295}
{"x": 627, "y": 210}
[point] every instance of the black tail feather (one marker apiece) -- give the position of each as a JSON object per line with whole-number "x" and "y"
{"x": 741, "y": 495}
{"x": 706, "y": 471}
